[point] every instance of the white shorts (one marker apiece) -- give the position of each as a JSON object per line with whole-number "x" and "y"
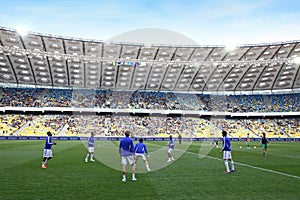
{"x": 140, "y": 155}
{"x": 91, "y": 149}
{"x": 129, "y": 158}
{"x": 48, "y": 153}
{"x": 170, "y": 150}
{"x": 227, "y": 155}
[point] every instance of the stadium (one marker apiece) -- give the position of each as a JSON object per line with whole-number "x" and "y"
{"x": 74, "y": 86}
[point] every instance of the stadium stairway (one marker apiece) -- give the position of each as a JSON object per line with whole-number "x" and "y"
{"x": 16, "y": 133}
{"x": 63, "y": 130}
{"x": 248, "y": 128}
{"x": 285, "y": 134}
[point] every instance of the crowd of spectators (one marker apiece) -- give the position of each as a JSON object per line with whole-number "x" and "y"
{"x": 114, "y": 125}
{"x": 88, "y": 98}
{"x": 146, "y": 126}
{"x": 10, "y": 123}
{"x": 56, "y": 98}
{"x": 21, "y": 97}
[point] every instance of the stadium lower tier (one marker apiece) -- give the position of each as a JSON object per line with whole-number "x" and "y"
{"x": 146, "y": 126}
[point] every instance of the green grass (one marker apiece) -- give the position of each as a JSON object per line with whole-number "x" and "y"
{"x": 189, "y": 177}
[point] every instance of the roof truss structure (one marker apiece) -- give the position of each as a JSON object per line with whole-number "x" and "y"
{"x": 46, "y": 60}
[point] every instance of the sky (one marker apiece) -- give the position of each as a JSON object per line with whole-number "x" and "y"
{"x": 207, "y": 22}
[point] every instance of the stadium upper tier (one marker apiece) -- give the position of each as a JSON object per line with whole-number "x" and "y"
{"x": 112, "y": 101}
{"x": 49, "y": 60}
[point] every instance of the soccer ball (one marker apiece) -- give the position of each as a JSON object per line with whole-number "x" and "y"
{"x": 254, "y": 147}
{"x": 240, "y": 147}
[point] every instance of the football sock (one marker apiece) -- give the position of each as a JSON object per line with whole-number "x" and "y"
{"x": 87, "y": 156}
{"x": 232, "y": 164}
{"x": 92, "y": 155}
{"x": 226, "y": 165}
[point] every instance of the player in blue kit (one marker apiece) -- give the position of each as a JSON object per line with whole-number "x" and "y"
{"x": 171, "y": 145}
{"x": 48, "y": 149}
{"x": 226, "y": 148}
{"x": 91, "y": 148}
{"x": 140, "y": 149}
{"x": 126, "y": 151}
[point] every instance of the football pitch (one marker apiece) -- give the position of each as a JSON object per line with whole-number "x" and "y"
{"x": 190, "y": 176}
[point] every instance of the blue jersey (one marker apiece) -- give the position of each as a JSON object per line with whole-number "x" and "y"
{"x": 140, "y": 148}
{"x": 226, "y": 144}
{"x": 126, "y": 147}
{"x": 49, "y": 142}
{"x": 91, "y": 141}
{"x": 171, "y": 144}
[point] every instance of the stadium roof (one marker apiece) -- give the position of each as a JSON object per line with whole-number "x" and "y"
{"x": 49, "y": 60}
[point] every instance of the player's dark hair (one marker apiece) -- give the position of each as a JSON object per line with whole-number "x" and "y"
{"x": 224, "y": 133}
{"x": 127, "y": 133}
{"x": 170, "y": 136}
{"x": 49, "y": 133}
{"x": 141, "y": 140}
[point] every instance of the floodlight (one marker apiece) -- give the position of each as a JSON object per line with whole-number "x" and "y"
{"x": 297, "y": 60}
{"x": 22, "y": 30}
{"x": 231, "y": 47}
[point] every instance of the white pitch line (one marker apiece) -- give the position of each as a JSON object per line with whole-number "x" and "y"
{"x": 242, "y": 164}
{"x": 245, "y": 165}
{"x": 251, "y": 166}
